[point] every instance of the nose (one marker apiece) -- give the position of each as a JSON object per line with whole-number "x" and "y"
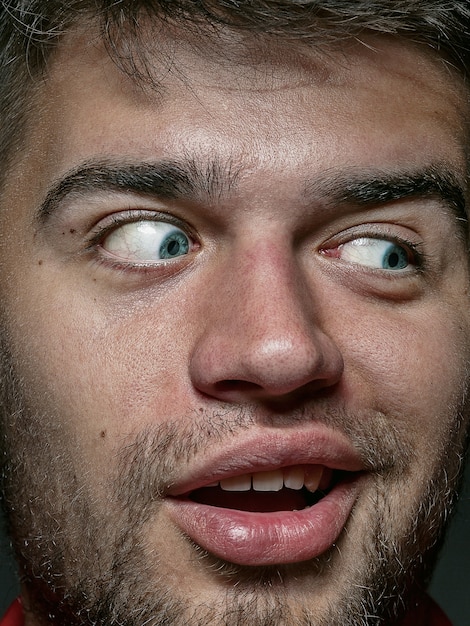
{"x": 262, "y": 335}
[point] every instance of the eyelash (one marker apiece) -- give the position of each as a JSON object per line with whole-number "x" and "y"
{"x": 130, "y": 216}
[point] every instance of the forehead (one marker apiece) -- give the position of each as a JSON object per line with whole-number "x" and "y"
{"x": 256, "y": 103}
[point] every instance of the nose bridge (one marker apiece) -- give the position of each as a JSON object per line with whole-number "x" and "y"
{"x": 268, "y": 300}
{"x": 261, "y": 328}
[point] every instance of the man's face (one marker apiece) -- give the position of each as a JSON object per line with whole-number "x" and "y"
{"x": 236, "y": 325}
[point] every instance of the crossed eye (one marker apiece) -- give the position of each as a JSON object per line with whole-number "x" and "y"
{"x": 375, "y": 253}
{"x": 147, "y": 241}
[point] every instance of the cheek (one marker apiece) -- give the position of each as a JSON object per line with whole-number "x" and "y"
{"x": 105, "y": 373}
{"x": 412, "y": 366}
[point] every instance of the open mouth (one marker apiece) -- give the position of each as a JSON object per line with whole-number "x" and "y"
{"x": 284, "y": 515}
{"x": 291, "y": 488}
{"x": 271, "y": 498}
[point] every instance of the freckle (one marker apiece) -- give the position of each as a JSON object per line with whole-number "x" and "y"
{"x": 40, "y": 262}
{"x": 103, "y": 434}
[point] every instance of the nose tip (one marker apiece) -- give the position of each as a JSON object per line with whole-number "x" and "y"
{"x": 235, "y": 368}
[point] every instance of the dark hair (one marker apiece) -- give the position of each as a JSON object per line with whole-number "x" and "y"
{"x": 30, "y": 30}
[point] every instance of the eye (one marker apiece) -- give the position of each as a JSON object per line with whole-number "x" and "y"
{"x": 146, "y": 241}
{"x": 375, "y": 253}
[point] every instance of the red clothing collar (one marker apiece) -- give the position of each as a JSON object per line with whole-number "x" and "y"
{"x": 14, "y": 615}
{"x": 429, "y": 612}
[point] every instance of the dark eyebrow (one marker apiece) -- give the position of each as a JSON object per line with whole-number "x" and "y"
{"x": 173, "y": 180}
{"x": 362, "y": 188}
{"x": 168, "y": 180}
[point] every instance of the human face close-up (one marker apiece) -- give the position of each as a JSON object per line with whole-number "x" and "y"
{"x": 236, "y": 330}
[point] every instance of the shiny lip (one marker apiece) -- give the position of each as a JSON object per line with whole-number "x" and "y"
{"x": 269, "y": 450}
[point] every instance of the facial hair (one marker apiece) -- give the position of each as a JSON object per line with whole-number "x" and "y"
{"x": 84, "y": 563}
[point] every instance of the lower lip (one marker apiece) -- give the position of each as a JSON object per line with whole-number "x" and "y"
{"x": 258, "y": 539}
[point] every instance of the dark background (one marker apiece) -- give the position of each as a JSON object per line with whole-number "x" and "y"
{"x": 450, "y": 586}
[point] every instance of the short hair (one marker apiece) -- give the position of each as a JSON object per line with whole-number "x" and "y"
{"x": 31, "y": 29}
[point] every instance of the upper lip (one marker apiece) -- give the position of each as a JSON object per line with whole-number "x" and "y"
{"x": 266, "y": 450}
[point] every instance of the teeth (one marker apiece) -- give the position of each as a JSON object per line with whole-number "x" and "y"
{"x": 313, "y": 476}
{"x": 268, "y": 481}
{"x": 237, "y": 483}
{"x": 296, "y": 477}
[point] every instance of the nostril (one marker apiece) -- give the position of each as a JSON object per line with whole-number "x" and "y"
{"x": 227, "y": 386}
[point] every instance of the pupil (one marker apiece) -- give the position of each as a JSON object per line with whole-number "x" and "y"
{"x": 397, "y": 258}
{"x": 393, "y": 259}
{"x": 173, "y": 247}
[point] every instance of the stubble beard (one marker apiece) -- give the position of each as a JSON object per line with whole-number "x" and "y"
{"x": 84, "y": 565}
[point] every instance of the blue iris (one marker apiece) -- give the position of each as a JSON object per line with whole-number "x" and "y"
{"x": 395, "y": 258}
{"x": 175, "y": 243}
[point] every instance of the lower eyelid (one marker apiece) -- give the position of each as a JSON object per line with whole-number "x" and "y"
{"x": 118, "y": 270}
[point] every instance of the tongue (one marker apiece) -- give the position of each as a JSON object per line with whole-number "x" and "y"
{"x": 255, "y": 501}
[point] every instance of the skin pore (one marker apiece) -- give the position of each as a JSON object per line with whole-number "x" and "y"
{"x": 315, "y": 290}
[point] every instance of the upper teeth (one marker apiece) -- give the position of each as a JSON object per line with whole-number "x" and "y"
{"x": 294, "y": 477}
